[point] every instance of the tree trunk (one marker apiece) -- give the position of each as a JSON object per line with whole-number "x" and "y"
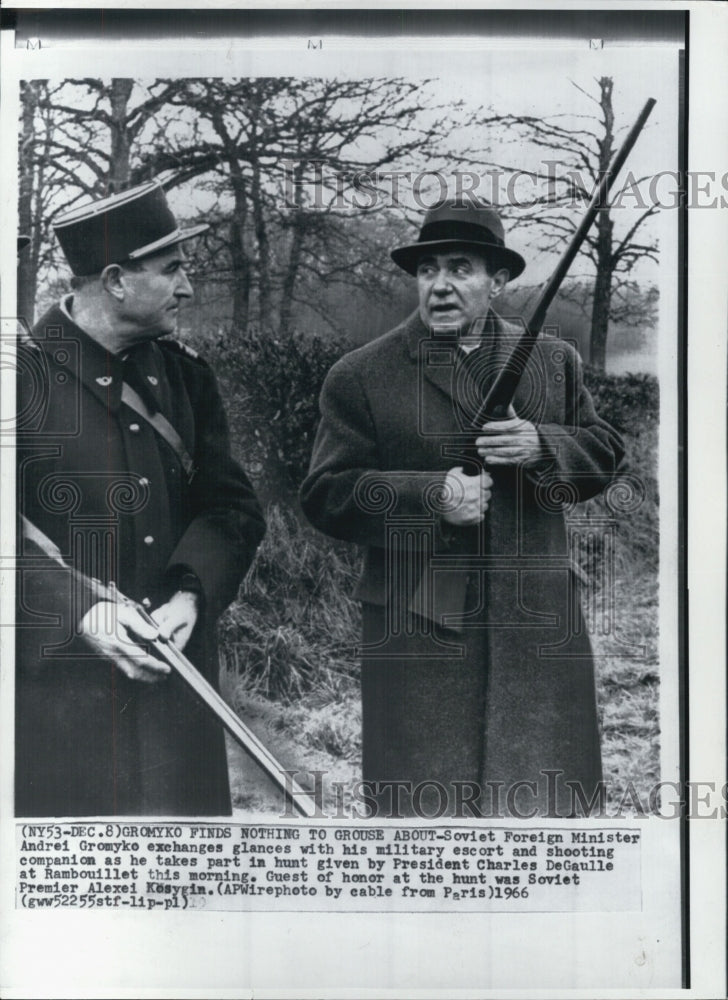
{"x": 27, "y": 260}
{"x": 120, "y": 160}
{"x": 255, "y": 140}
{"x": 602, "y": 293}
{"x": 238, "y": 257}
{"x": 295, "y": 254}
{"x": 261, "y": 237}
{"x": 605, "y": 227}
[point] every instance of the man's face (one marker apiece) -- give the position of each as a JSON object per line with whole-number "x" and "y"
{"x": 455, "y": 288}
{"x": 154, "y": 294}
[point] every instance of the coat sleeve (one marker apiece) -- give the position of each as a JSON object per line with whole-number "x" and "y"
{"x": 226, "y": 522}
{"x": 347, "y": 493}
{"x": 584, "y": 451}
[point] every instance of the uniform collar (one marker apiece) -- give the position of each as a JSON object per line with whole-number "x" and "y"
{"x": 100, "y": 372}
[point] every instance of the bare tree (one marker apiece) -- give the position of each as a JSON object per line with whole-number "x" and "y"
{"x": 576, "y": 151}
{"x": 293, "y": 168}
{"x": 286, "y": 155}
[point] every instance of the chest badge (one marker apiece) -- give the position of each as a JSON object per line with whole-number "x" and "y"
{"x": 104, "y": 380}
{"x": 152, "y": 379}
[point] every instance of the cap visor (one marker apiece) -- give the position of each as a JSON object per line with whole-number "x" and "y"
{"x": 172, "y": 239}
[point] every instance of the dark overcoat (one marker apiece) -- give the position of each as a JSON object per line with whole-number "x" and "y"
{"x": 112, "y": 495}
{"x": 476, "y": 666}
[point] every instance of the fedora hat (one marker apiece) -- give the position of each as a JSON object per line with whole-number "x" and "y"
{"x": 453, "y": 223}
{"x": 122, "y": 227}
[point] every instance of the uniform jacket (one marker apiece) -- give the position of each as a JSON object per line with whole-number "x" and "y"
{"x": 395, "y": 417}
{"x": 112, "y": 495}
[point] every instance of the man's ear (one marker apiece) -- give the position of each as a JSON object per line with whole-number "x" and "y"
{"x": 499, "y": 282}
{"x": 112, "y": 280}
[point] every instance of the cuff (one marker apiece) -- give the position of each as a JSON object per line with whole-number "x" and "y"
{"x": 183, "y": 578}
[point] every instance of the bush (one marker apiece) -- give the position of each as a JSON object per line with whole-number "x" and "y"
{"x": 627, "y": 401}
{"x": 637, "y": 524}
{"x": 271, "y": 388}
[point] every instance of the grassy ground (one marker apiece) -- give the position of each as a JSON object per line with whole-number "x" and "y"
{"x": 288, "y": 645}
{"x": 287, "y": 658}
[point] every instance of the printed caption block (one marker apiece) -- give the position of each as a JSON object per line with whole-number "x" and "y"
{"x": 221, "y": 866}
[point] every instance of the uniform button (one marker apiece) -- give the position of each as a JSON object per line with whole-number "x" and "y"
{"x": 134, "y": 428}
{"x": 144, "y": 481}
{"x": 146, "y": 602}
{"x": 149, "y": 540}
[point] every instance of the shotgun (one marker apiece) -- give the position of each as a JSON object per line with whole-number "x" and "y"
{"x": 500, "y": 394}
{"x": 175, "y": 658}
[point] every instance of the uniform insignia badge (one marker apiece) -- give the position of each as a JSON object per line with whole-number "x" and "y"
{"x": 104, "y": 380}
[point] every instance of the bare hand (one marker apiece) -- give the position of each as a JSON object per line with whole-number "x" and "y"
{"x": 512, "y": 441}
{"x": 177, "y": 618}
{"x": 118, "y": 632}
{"x": 467, "y": 497}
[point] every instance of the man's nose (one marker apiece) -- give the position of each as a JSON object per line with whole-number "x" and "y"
{"x": 184, "y": 287}
{"x": 441, "y": 283}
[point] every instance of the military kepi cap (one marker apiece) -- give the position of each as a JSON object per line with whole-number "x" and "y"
{"x": 454, "y": 222}
{"x": 122, "y": 227}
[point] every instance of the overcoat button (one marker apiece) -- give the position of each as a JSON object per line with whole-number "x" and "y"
{"x": 144, "y": 481}
{"x": 146, "y": 602}
{"x": 149, "y": 540}
{"x": 134, "y": 428}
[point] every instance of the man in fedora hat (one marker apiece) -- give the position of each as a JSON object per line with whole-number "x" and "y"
{"x": 125, "y": 476}
{"x": 478, "y": 693}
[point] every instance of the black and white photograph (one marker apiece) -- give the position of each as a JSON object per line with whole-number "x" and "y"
{"x": 345, "y": 371}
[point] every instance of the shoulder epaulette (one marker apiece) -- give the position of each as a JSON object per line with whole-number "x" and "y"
{"x": 182, "y": 349}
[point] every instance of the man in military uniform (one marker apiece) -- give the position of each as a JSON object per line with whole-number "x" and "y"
{"x": 124, "y": 476}
{"x": 477, "y": 677}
